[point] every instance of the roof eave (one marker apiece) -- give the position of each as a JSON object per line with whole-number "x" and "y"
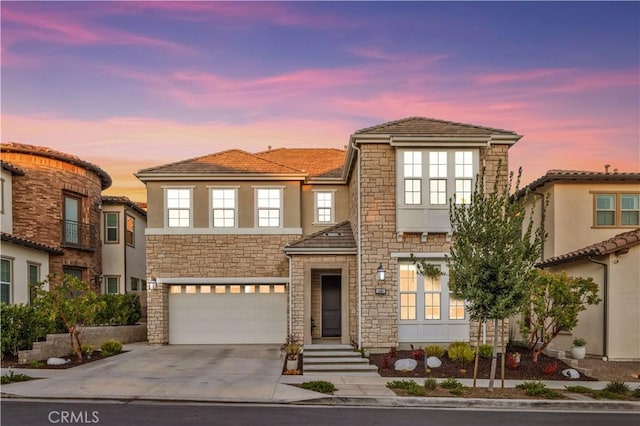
{"x": 148, "y": 177}
{"x": 318, "y": 250}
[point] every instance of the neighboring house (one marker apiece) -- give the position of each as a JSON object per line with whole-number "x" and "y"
{"x": 22, "y": 262}
{"x": 246, "y": 248}
{"x": 593, "y": 221}
{"x": 123, "y": 247}
{"x": 56, "y": 204}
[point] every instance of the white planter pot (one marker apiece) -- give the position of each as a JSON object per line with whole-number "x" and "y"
{"x": 292, "y": 364}
{"x": 578, "y": 352}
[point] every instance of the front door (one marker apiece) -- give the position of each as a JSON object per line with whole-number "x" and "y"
{"x": 331, "y": 307}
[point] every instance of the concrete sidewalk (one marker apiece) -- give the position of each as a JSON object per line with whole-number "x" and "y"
{"x": 249, "y": 374}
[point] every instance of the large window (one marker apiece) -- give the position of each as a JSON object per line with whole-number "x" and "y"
{"x": 324, "y": 201}
{"x": 463, "y": 175}
{"x": 408, "y": 292}
{"x": 412, "y": 161}
{"x": 269, "y": 207}
{"x": 223, "y": 203}
{"x": 617, "y": 210}
{"x": 111, "y": 227}
{"x": 6, "y": 276}
{"x": 130, "y": 230}
{"x": 178, "y": 207}
{"x": 72, "y": 224}
{"x": 438, "y": 178}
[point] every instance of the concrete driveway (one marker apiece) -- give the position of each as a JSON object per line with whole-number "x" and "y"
{"x": 176, "y": 372}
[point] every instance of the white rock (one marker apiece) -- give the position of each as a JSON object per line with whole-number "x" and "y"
{"x": 56, "y": 361}
{"x": 571, "y": 373}
{"x": 433, "y": 362}
{"x": 406, "y": 364}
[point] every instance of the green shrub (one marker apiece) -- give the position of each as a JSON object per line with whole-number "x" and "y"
{"x": 458, "y": 391}
{"x": 636, "y": 393}
{"x": 605, "y": 394}
{"x": 539, "y": 389}
{"x": 20, "y": 326}
{"x": 451, "y": 383}
{"x": 486, "y": 350}
{"x": 460, "y": 352}
{"x": 14, "y": 377}
{"x": 319, "y": 386}
{"x": 119, "y": 309}
{"x": 578, "y": 389}
{"x": 618, "y": 387}
{"x": 434, "y": 350}
{"x": 87, "y": 349}
{"x": 431, "y": 383}
{"x": 410, "y": 386}
{"x": 111, "y": 347}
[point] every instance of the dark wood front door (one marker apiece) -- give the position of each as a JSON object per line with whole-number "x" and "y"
{"x": 331, "y": 308}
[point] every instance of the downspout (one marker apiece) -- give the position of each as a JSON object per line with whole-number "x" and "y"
{"x": 359, "y": 254}
{"x": 605, "y": 297}
{"x": 290, "y": 294}
{"x": 125, "y": 249}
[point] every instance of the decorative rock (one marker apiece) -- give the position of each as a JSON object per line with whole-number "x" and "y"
{"x": 433, "y": 362}
{"x": 571, "y": 373}
{"x": 57, "y": 361}
{"x": 406, "y": 364}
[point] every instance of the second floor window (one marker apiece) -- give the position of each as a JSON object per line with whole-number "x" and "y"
{"x": 178, "y": 208}
{"x": 223, "y": 202}
{"x": 463, "y": 176}
{"x": 324, "y": 207}
{"x": 72, "y": 226}
{"x": 617, "y": 210}
{"x": 5, "y": 280}
{"x": 268, "y": 206}
{"x": 111, "y": 227}
{"x": 130, "y": 230}
{"x": 412, "y": 165}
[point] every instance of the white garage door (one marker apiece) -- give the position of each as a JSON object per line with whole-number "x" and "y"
{"x": 218, "y": 314}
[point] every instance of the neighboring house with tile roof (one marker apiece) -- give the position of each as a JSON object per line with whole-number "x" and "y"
{"x": 248, "y": 248}
{"x": 593, "y": 221}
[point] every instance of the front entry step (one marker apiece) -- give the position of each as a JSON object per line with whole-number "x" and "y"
{"x": 336, "y": 359}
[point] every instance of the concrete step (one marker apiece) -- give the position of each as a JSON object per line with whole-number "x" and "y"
{"x": 327, "y": 347}
{"x": 325, "y": 354}
{"x": 334, "y": 360}
{"x": 339, "y": 368}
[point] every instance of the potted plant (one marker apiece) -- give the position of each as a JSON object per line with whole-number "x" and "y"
{"x": 292, "y": 350}
{"x": 578, "y": 349}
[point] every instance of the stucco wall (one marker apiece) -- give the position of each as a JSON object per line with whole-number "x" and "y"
{"x": 20, "y": 258}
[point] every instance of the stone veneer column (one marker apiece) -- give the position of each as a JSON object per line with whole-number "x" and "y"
{"x": 158, "y": 315}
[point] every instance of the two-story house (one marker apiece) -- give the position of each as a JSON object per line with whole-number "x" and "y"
{"x": 593, "y": 226}
{"x": 247, "y": 248}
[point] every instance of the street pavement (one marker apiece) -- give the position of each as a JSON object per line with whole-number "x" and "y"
{"x": 243, "y": 373}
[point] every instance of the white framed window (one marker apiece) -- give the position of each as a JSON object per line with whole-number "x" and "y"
{"x": 456, "y": 308}
{"x": 223, "y": 205}
{"x": 324, "y": 206}
{"x": 463, "y": 191}
{"x": 269, "y": 207}
{"x": 629, "y": 209}
{"x": 111, "y": 285}
{"x": 464, "y": 175}
{"x": 412, "y": 168}
{"x": 33, "y": 269}
{"x": 111, "y": 227}
{"x": 438, "y": 192}
{"x": 438, "y": 164}
{"x": 413, "y": 191}
{"x": 178, "y": 204}
{"x": 432, "y": 298}
{"x": 408, "y": 292}
{"x": 130, "y": 230}
{"x": 6, "y": 278}
{"x": 617, "y": 210}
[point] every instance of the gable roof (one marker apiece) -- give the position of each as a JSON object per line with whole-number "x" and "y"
{"x": 336, "y": 239}
{"x": 581, "y": 176}
{"x": 15, "y": 170}
{"x": 117, "y": 200}
{"x": 612, "y": 245}
{"x": 29, "y": 243}
{"x": 414, "y": 126}
{"x": 317, "y": 162}
{"x": 230, "y": 162}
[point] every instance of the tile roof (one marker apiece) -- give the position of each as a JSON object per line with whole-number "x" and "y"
{"x": 582, "y": 176}
{"x": 317, "y": 162}
{"x": 11, "y": 168}
{"x": 338, "y": 238}
{"x": 233, "y": 161}
{"x": 113, "y": 199}
{"x": 619, "y": 242}
{"x": 432, "y": 127}
{"x": 29, "y": 243}
{"x": 57, "y": 155}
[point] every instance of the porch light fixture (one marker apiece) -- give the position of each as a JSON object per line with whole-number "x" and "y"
{"x": 380, "y": 272}
{"x": 152, "y": 283}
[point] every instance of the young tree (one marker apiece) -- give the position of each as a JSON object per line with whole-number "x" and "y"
{"x": 556, "y": 300}
{"x": 493, "y": 252}
{"x": 73, "y": 302}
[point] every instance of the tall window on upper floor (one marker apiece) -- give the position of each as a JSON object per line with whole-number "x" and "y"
{"x": 412, "y": 162}
{"x": 223, "y": 204}
{"x": 72, "y": 226}
{"x": 269, "y": 207}
{"x": 324, "y": 207}
{"x": 130, "y": 230}
{"x": 5, "y": 280}
{"x": 111, "y": 227}
{"x": 463, "y": 176}
{"x": 617, "y": 210}
{"x": 437, "y": 178}
{"x": 178, "y": 207}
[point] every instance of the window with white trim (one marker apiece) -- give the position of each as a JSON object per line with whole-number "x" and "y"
{"x": 130, "y": 230}
{"x": 178, "y": 207}
{"x": 6, "y": 277}
{"x": 223, "y": 204}
{"x": 412, "y": 165}
{"x": 269, "y": 205}
{"x": 111, "y": 227}
{"x": 438, "y": 178}
{"x": 432, "y": 298}
{"x": 463, "y": 176}
{"x": 324, "y": 206}
{"x": 456, "y": 308}
{"x": 408, "y": 292}
{"x": 617, "y": 210}
{"x": 111, "y": 284}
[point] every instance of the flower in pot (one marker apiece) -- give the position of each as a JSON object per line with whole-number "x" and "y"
{"x": 579, "y": 349}
{"x": 292, "y": 350}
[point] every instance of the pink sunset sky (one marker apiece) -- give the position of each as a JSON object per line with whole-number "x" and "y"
{"x": 130, "y": 85}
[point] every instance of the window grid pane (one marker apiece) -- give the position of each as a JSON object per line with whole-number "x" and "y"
{"x": 111, "y": 227}
{"x": 464, "y": 164}
{"x": 629, "y": 213}
{"x": 112, "y": 285}
{"x": 178, "y": 208}
{"x": 456, "y": 308}
{"x": 324, "y": 206}
{"x": 412, "y": 191}
{"x": 223, "y": 202}
{"x": 408, "y": 292}
{"x": 463, "y": 191}
{"x": 438, "y": 164}
{"x": 413, "y": 164}
{"x": 438, "y": 192}
{"x": 5, "y": 281}
{"x": 432, "y": 306}
{"x": 268, "y": 208}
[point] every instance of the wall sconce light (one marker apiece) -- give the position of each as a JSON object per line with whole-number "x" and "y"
{"x": 381, "y": 291}
{"x": 380, "y": 272}
{"x": 152, "y": 283}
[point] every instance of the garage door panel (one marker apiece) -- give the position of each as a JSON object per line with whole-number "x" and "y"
{"x": 217, "y": 318}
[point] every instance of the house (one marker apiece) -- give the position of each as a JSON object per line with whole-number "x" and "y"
{"x": 593, "y": 228}
{"x": 249, "y": 247}
{"x": 123, "y": 247}
{"x": 51, "y": 212}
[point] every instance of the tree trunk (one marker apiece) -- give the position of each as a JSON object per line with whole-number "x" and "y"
{"x": 502, "y": 355}
{"x": 494, "y": 356}
{"x": 475, "y": 366}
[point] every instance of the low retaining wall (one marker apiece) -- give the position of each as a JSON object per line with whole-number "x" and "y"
{"x": 58, "y": 345}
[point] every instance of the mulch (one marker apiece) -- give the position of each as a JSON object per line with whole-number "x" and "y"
{"x": 527, "y": 370}
{"x": 11, "y": 361}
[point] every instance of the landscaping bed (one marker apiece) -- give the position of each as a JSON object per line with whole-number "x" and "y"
{"x": 11, "y": 361}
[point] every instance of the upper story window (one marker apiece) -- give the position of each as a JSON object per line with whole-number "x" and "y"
{"x": 178, "y": 207}
{"x": 463, "y": 176}
{"x": 617, "y": 210}
{"x": 130, "y": 230}
{"x": 223, "y": 204}
{"x": 5, "y": 280}
{"x": 269, "y": 207}
{"x": 111, "y": 227}
{"x": 72, "y": 226}
{"x": 438, "y": 178}
{"x": 412, "y": 162}
{"x": 324, "y": 207}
